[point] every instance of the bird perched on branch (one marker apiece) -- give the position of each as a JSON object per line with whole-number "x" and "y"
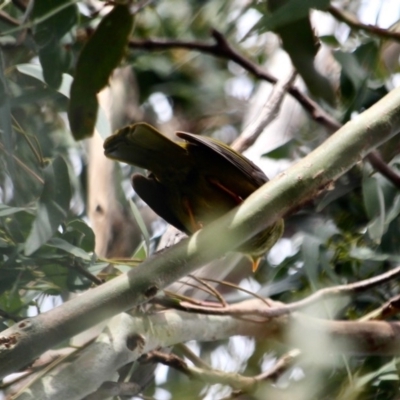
{"x": 191, "y": 182}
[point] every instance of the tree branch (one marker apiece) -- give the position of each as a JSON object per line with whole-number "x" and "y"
{"x": 8, "y": 19}
{"x": 29, "y": 338}
{"x": 354, "y": 23}
{"x": 268, "y": 113}
{"x": 387, "y": 310}
{"x": 222, "y": 49}
{"x": 376, "y": 161}
{"x": 278, "y": 309}
{"x": 127, "y": 338}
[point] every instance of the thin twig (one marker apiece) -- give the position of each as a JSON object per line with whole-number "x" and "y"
{"x": 197, "y": 361}
{"x": 8, "y": 19}
{"x": 211, "y": 376}
{"x": 354, "y": 23}
{"x": 192, "y": 285}
{"x": 282, "y": 365}
{"x": 212, "y": 289}
{"x": 77, "y": 267}
{"x": 267, "y": 114}
{"x": 267, "y": 302}
{"x": 222, "y": 49}
{"x": 6, "y": 315}
{"x": 277, "y": 309}
{"x": 387, "y": 310}
{"x": 190, "y": 300}
{"x": 344, "y": 290}
{"x": 23, "y": 165}
{"x": 377, "y": 162}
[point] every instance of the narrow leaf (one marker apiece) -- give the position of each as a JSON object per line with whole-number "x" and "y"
{"x": 100, "y": 56}
{"x": 52, "y": 206}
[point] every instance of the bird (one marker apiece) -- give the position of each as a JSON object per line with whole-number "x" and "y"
{"x": 193, "y": 181}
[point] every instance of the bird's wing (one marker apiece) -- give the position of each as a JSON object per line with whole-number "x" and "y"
{"x": 248, "y": 168}
{"x": 156, "y": 195}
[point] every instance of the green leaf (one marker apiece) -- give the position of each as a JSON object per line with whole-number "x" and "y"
{"x": 290, "y": 19}
{"x": 141, "y": 252}
{"x": 280, "y": 152}
{"x": 6, "y": 210}
{"x": 311, "y": 251}
{"x": 330, "y": 40}
{"x": 37, "y": 72}
{"x": 69, "y": 248}
{"x": 56, "y": 18}
{"x": 393, "y": 211}
{"x": 99, "y": 57}
{"x": 102, "y": 122}
{"x": 142, "y": 226}
{"x": 389, "y": 368}
{"x": 286, "y": 12}
{"x": 55, "y": 280}
{"x": 97, "y": 267}
{"x": 365, "y": 253}
{"x": 351, "y": 68}
{"x": 50, "y": 58}
{"x": 5, "y": 117}
{"x": 52, "y": 207}
{"x": 124, "y": 268}
{"x": 83, "y": 234}
{"x": 374, "y": 204}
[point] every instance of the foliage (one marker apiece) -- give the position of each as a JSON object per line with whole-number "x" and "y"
{"x": 344, "y": 235}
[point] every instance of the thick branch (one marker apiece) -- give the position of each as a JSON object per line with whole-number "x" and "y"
{"x": 29, "y": 338}
{"x": 127, "y": 338}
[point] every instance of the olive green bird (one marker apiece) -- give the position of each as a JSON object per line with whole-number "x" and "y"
{"x": 191, "y": 182}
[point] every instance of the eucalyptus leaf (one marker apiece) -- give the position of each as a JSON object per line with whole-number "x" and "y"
{"x": 52, "y": 207}
{"x": 99, "y": 57}
{"x": 291, "y": 21}
{"x": 388, "y": 369}
{"x": 5, "y": 117}
{"x": 141, "y": 252}
{"x": 365, "y": 253}
{"x": 310, "y": 250}
{"x": 6, "y": 210}
{"x": 142, "y": 226}
{"x": 375, "y": 206}
{"x": 36, "y": 71}
{"x": 102, "y": 123}
{"x": 69, "y": 248}
{"x": 56, "y": 19}
{"x": 352, "y": 68}
{"x": 280, "y": 152}
{"x": 79, "y": 228}
{"x": 394, "y": 211}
